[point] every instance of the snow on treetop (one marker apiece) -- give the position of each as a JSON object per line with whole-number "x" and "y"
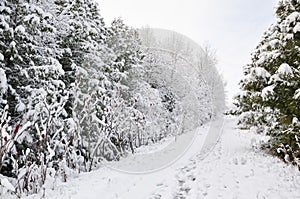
{"x": 248, "y": 78}
{"x": 297, "y": 94}
{"x": 20, "y": 29}
{"x": 295, "y": 121}
{"x": 241, "y": 94}
{"x": 269, "y": 90}
{"x": 285, "y": 69}
{"x": 1, "y": 57}
{"x": 273, "y": 43}
{"x": 37, "y": 9}
{"x": 254, "y": 73}
{"x": 268, "y": 55}
{"x": 261, "y": 59}
{"x": 3, "y": 81}
{"x": 3, "y": 22}
{"x": 288, "y": 37}
{"x": 293, "y": 17}
{"x": 297, "y": 28}
{"x": 5, "y": 9}
{"x": 274, "y": 78}
{"x": 260, "y": 72}
{"x": 33, "y": 18}
{"x": 20, "y": 107}
{"x": 12, "y": 44}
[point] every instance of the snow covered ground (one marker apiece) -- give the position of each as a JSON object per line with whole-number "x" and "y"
{"x": 232, "y": 169}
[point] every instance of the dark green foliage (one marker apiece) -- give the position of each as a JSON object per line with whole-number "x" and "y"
{"x": 270, "y": 88}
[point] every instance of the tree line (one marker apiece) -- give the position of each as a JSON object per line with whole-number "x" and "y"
{"x": 75, "y": 91}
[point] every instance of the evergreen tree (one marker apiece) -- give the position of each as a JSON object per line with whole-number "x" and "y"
{"x": 81, "y": 32}
{"x": 35, "y": 93}
{"x": 269, "y": 97}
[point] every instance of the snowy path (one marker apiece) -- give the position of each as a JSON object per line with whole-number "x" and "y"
{"x": 233, "y": 169}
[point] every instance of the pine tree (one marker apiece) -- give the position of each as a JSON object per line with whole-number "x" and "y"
{"x": 269, "y": 97}
{"x": 35, "y": 92}
{"x": 82, "y": 31}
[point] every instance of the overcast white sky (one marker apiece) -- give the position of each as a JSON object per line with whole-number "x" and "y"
{"x": 232, "y": 27}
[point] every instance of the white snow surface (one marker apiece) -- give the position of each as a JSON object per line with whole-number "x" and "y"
{"x": 297, "y": 94}
{"x": 261, "y": 72}
{"x": 294, "y": 16}
{"x": 20, "y": 29}
{"x": 21, "y": 107}
{"x": 3, "y": 81}
{"x": 6, "y": 184}
{"x": 285, "y": 69}
{"x": 1, "y": 57}
{"x": 297, "y": 28}
{"x": 234, "y": 168}
{"x": 269, "y": 90}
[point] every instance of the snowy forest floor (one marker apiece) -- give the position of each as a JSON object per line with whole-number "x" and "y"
{"x": 232, "y": 169}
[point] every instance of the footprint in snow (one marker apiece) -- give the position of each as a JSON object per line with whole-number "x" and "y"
{"x": 243, "y": 160}
{"x": 156, "y": 196}
{"x": 179, "y": 196}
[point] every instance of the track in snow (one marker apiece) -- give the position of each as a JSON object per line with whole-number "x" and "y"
{"x": 232, "y": 169}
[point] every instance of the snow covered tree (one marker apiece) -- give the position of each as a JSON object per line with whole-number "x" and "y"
{"x": 81, "y": 31}
{"x": 74, "y": 91}
{"x": 269, "y": 97}
{"x": 120, "y": 70}
{"x": 33, "y": 89}
{"x": 206, "y": 67}
{"x": 171, "y": 75}
{"x": 82, "y": 42}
